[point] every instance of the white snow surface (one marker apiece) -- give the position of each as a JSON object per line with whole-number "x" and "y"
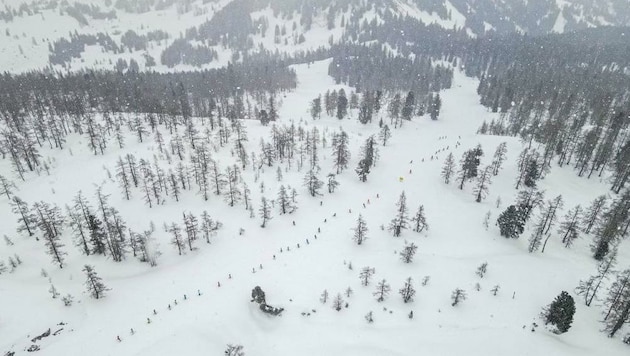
{"x": 202, "y": 325}
{"x": 407, "y": 8}
{"x": 561, "y": 22}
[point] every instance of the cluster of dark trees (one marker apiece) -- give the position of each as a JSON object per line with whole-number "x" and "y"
{"x": 81, "y": 12}
{"x": 194, "y": 229}
{"x": 373, "y": 67}
{"x": 383, "y": 289}
{"x": 142, "y": 6}
{"x": 469, "y": 170}
{"x": 402, "y": 221}
{"x": 9, "y": 13}
{"x": 565, "y": 92}
{"x": 136, "y": 42}
{"x": 230, "y": 26}
{"x": 63, "y": 50}
{"x": 39, "y": 110}
{"x": 42, "y": 95}
{"x": 100, "y": 229}
{"x": 607, "y": 223}
{"x": 616, "y": 303}
{"x": 181, "y": 51}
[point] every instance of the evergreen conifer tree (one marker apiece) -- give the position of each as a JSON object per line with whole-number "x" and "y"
{"x": 511, "y": 222}
{"x": 94, "y": 284}
{"x": 382, "y": 290}
{"x": 406, "y": 255}
{"x": 401, "y": 221}
{"x": 448, "y": 168}
{"x": 360, "y": 231}
{"x": 407, "y": 291}
{"x": 560, "y": 313}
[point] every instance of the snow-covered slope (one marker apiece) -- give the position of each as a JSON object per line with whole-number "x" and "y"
{"x": 300, "y": 255}
{"x": 29, "y": 32}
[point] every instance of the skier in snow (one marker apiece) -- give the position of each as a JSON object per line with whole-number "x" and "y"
{"x": 118, "y": 338}
{"x": 132, "y": 331}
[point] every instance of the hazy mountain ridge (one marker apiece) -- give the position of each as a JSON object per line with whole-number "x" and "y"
{"x": 73, "y": 35}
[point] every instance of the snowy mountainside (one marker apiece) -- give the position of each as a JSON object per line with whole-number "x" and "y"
{"x": 122, "y": 34}
{"x": 198, "y": 302}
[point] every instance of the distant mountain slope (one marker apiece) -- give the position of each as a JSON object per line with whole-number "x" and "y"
{"x": 188, "y": 34}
